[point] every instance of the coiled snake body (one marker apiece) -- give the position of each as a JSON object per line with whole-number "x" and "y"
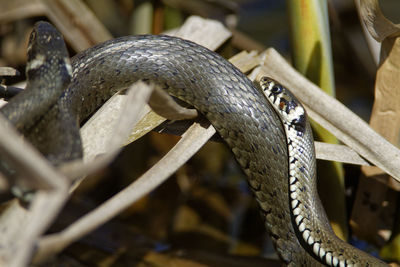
{"x": 226, "y": 97}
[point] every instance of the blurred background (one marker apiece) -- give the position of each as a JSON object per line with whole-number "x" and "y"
{"x": 205, "y": 214}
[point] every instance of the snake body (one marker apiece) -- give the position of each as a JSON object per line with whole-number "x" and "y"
{"x": 48, "y": 73}
{"x": 226, "y": 97}
{"x": 308, "y": 217}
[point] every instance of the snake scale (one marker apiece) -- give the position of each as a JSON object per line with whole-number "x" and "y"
{"x": 237, "y": 109}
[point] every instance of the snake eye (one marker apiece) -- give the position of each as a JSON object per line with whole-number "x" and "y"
{"x": 276, "y": 89}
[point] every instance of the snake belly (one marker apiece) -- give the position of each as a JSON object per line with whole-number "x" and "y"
{"x": 308, "y": 217}
{"x": 236, "y": 108}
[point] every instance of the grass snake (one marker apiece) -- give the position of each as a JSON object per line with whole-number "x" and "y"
{"x": 237, "y": 109}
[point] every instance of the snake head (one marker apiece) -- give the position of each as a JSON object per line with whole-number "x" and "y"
{"x": 46, "y": 49}
{"x": 285, "y": 103}
{"x": 271, "y": 89}
{"x": 281, "y": 98}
